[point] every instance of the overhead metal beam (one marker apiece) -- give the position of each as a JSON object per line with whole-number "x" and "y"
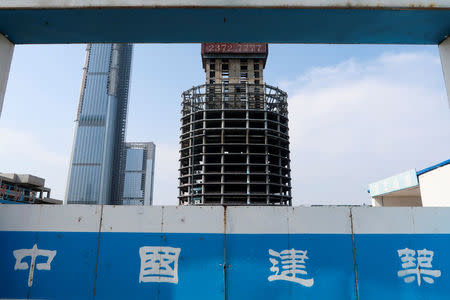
{"x": 401, "y": 4}
{"x": 185, "y": 21}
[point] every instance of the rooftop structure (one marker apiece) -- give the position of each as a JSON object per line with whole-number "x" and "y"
{"x": 24, "y": 188}
{"x": 427, "y": 187}
{"x": 138, "y": 174}
{"x": 234, "y": 132}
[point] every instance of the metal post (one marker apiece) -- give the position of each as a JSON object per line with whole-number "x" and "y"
{"x": 444, "y": 50}
{"x": 6, "y": 53}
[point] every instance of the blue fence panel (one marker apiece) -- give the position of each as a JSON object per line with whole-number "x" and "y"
{"x": 162, "y": 259}
{"x": 328, "y": 269}
{"x": 57, "y": 252}
{"x": 48, "y": 252}
{"x": 402, "y": 253}
{"x": 291, "y": 256}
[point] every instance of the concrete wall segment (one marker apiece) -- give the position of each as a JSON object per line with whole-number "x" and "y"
{"x": 63, "y": 218}
{"x": 185, "y": 219}
{"x": 310, "y": 220}
{"x": 223, "y": 3}
{"x": 431, "y": 220}
{"x": 130, "y": 218}
{"x": 168, "y": 219}
{"x": 287, "y": 220}
{"x": 257, "y": 219}
{"x": 401, "y": 220}
{"x": 376, "y": 220}
{"x": 239, "y": 220}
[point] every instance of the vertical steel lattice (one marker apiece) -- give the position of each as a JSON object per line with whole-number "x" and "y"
{"x": 234, "y": 146}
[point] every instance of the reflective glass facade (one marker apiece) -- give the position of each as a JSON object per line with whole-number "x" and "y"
{"x": 98, "y": 150}
{"x": 138, "y": 174}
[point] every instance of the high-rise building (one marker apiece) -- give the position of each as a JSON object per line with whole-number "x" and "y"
{"x": 234, "y": 132}
{"x": 138, "y": 176}
{"x": 97, "y": 160}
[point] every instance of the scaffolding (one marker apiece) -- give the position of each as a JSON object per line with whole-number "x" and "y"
{"x": 234, "y": 145}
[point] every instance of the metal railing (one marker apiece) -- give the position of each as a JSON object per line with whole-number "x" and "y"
{"x": 234, "y": 96}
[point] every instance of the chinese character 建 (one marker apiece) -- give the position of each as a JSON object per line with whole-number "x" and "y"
{"x": 292, "y": 265}
{"x": 33, "y": 253}
{"x": 417, "y": 267}
{"x": 159, "y": 264}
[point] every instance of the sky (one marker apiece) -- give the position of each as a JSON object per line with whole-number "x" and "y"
{"x": 358, "y": 113}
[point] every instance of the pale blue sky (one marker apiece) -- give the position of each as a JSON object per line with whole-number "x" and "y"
{"x": 357, "y": 113}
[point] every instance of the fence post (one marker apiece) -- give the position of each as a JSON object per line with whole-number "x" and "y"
{"x": 6, "y": 53}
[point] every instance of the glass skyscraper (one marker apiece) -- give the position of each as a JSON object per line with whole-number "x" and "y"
{"x": 138, "y": 174}
{"x": 98, "y": 154}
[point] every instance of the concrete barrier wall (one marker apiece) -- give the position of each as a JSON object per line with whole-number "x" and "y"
{"x": 126, "y": 252}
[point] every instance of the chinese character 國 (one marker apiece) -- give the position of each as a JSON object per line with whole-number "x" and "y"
{"x": 34, "y": 252}
{"x": 417, "y": 267}
{"x": 159, "y": 264}
{"x": 292, "y": 265}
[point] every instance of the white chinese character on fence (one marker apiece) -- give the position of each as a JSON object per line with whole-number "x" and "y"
{"x": 417, "y": 267}
{"x": 292, "y": 264}
{"x": 34, "y": 252}
{"x": 159, "y": 264}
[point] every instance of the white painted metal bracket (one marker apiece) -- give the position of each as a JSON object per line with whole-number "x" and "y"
{"x": 444, "y": 50}
{"x": 6, "y": 53}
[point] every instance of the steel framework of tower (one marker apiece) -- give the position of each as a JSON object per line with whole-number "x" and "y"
{"x": 234, "y": 132}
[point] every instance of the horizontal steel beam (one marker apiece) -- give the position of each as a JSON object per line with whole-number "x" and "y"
{"x": 404, "y": 4}
{"x": 288, "y": 21}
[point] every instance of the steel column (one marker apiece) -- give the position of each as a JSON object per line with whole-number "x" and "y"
{"x": 6, "y": 53}
{"x": 444, "y": 50}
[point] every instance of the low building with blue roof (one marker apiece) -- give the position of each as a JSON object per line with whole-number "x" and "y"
{"x": 427, "y": 187}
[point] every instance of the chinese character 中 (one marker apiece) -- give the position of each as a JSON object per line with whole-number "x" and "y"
{"x": 292, "y": 264}
{"x": 417, "y": 267}
{"x": 159, "y": 264}
{"x": 33, "y": 253}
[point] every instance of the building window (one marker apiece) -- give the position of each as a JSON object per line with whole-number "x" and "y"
{"x": 211, "y": 81}
{"x": 257, "y": 74}
{"x": 256, "y": 66}
{"x": 243, "y": 68}
{"x": 212, "y": 74}
{"x": 212, "y": 66}
{"x": 225, "y": 75}
{"x": 256, "y": 81}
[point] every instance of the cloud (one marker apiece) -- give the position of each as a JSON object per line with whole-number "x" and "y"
{"x": 23, "y": 152}
{"x": 357, "y": 122}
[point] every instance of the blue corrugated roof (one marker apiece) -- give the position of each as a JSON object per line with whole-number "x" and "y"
{"x": 445, "y": 162}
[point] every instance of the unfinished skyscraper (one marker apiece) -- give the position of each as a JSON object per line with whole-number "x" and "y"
{"x": 234, "y": 132}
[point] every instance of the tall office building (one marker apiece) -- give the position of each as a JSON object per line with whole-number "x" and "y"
{"x": 234, "y": 132}
{"x": 97, "y": 162}
{"x": 138, "y": 176}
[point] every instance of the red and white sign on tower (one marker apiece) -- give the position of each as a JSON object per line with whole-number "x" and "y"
{"x": 210, "y": 48}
